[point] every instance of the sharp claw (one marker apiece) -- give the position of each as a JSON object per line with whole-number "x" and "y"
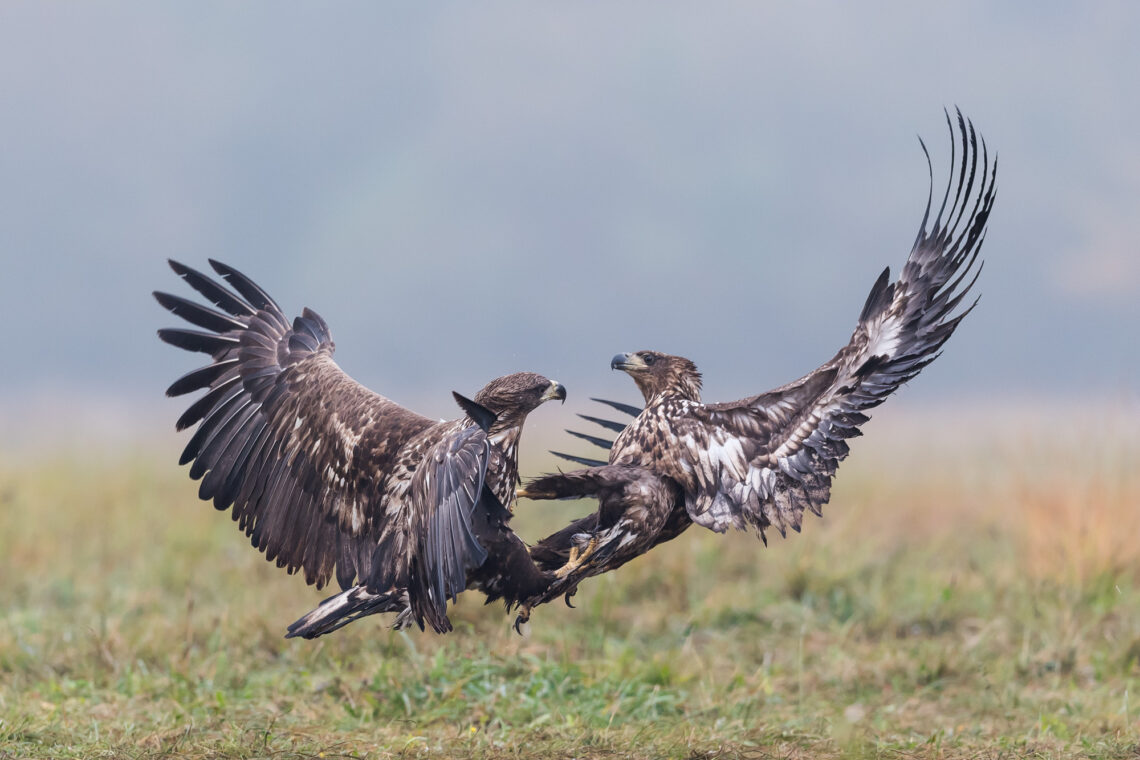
{"x": 578, "y": 558}
{"x": 522, "y": 617}
{"x": 567, "y": 596}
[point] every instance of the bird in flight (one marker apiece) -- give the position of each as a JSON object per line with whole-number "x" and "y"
{"x": 758, "y": 463}
{"x": 330, "y": 478}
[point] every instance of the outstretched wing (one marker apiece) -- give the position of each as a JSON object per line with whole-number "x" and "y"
{"x": 760, "y": 461}
{"x": 298, "y": 449}
{"x": 602, "y": 443}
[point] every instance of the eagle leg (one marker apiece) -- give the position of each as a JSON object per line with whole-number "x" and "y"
{"x": 523, "y": 492}
{"x": 578, "y": 558}
{"x": 522, "y": 617}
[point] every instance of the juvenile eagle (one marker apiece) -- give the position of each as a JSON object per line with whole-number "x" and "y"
{"x": 759, "y": 462}
{"x": 326, "y": 476}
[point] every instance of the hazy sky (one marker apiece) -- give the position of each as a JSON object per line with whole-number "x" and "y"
{"x": 468, "y": 189}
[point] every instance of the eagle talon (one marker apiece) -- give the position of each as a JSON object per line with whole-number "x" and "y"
{"x": 522, "y": 617}
{"x": 566, "y": 597}
{"x": 578, "y": 558}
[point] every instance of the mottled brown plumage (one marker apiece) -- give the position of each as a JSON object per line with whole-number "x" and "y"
{"x": 328, "y": 477}
{"x": 758, "y": 463}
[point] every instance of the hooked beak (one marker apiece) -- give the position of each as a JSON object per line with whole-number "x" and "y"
{"x": 627, "y": 362}
{"x": 555, "y": 391}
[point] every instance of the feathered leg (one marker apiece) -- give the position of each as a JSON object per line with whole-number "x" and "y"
{"x": 635, "y": 504}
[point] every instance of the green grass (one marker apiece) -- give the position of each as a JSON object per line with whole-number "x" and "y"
{"x": 959, "y": 600}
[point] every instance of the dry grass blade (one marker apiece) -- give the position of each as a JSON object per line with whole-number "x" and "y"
{"x": 962, "y": 597}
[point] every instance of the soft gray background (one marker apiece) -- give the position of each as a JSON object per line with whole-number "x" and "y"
{"x": 468, "y": 189}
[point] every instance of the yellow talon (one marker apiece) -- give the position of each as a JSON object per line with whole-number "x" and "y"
{"x": 577, "y": 558}
{"x": 522, "y": 617}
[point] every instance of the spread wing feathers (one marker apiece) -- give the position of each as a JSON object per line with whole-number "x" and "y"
{"x": 584, "y": 461}
{"x": 760, "y": 461}
{"x": 629, "y": 409}
{"x": 285, "y": 438}
{"x": 602, "y": 443}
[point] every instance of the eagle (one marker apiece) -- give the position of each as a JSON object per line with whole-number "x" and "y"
{"x": 327, "y": 477}
{"x": 759, "y": 462}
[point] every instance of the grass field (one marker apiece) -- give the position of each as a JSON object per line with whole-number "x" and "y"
{"x": 960, "y": 599}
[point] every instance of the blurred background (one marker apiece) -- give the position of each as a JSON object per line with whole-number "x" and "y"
{"x": 468, "y": 190}
{"x": 464, "y": 190}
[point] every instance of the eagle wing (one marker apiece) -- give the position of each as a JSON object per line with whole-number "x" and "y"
{"x": 760, "y": 461}
{"x": 602, "y": 443}
{"x": 296, "y": 448}
{"x": 445, "y": 491}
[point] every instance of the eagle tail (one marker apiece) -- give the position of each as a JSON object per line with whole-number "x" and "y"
{"x": 343, "y": 608}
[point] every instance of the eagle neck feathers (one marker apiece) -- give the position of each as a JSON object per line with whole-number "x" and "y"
{"x": 506, "y": 443}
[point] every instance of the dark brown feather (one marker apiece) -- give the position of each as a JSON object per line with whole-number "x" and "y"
{"x": 327, "y": 477}
{"x": 760, "y": 462}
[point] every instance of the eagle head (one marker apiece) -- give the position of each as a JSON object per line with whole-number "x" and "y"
{"x": 657, "y": 374}
{"x": 513, "y": 397}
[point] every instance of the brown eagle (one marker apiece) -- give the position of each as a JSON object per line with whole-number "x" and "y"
{"x": 328, "y": 477}
{"x": 759, "y": 462}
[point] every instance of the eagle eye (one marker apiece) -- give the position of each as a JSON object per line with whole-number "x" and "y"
{"x": 649, "y": 359}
